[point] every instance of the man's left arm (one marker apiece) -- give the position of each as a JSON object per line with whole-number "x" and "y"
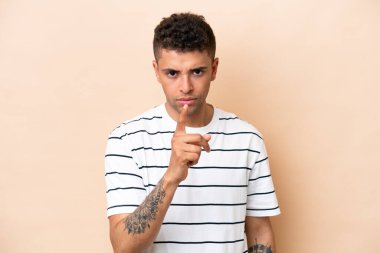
{"x": 260, "y": 236}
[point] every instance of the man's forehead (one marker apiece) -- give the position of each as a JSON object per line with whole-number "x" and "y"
{"x": 189, "y": 59}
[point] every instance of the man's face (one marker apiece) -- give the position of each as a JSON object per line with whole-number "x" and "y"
{"x": 185, "y": 79}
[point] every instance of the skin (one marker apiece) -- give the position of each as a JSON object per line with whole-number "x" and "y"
{"x": 185, "y": 79}
{"x": 260, "y": 236}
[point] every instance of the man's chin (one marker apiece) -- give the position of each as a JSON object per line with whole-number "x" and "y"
{"x": 190, "y": 109}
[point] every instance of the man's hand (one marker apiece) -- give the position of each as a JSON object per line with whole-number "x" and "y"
{"x": 186, "y": 149}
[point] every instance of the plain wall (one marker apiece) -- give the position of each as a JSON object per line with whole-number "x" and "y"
{"x": 305, "y": 73}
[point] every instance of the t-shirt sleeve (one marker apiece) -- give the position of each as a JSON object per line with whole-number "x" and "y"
{"x": 124, "y": 183}
{"x": 261, "y": 196}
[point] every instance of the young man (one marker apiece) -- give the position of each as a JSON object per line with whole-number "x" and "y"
{"x": 186, "y": 176}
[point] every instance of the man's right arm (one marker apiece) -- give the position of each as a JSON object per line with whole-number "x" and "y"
{"x": 136, "y": 232}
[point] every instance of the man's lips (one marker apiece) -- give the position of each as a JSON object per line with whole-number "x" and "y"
{"x": 186, "y": 101}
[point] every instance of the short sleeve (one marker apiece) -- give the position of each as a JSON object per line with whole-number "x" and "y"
{"x": 261, "y": 196}
{"x": 124, "y": 184}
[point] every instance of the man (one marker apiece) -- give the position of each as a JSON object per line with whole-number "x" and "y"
{"x": 186, "y": 176}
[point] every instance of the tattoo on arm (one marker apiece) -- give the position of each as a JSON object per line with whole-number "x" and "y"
{"x": 138, "y": 221}
{"x": 260, "y": 248}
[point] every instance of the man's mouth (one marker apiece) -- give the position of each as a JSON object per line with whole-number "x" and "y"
{"x": 186, "y": 101}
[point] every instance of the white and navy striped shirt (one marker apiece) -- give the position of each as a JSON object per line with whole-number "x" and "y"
{"x": 208, "y": 210}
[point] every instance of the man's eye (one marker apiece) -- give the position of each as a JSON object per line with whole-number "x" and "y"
{"x": 197, "y": 72}
{"x": 171, "y": 73}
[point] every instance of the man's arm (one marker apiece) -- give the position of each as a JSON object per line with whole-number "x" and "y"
{"x": 136, "y": 232}
{"x": 260, "y": 235}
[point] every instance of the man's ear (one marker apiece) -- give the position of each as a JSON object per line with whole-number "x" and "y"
{"x": 156, "y": 71}
{"x": 214, "y": 67}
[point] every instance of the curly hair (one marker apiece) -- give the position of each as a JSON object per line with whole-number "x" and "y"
{"x": 184, "y": 32}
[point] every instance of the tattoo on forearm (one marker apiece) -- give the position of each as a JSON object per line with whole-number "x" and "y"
{"x": 260, "y": 248}
{"x": 138, "y": 221}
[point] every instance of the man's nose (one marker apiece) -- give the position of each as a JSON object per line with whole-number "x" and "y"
{"x": 186, "y": 85}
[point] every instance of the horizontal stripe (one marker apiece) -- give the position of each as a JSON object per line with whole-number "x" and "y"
{"x": 228, "y": 118}
{"x": 171, "y": 132}
{"x": 224, "y": 150}
{"x": 202, "y": 223}
{"x": 198, "y": 168}
{"x": 150, "y": 148}
{"x": 262, "y": 209}
{"x": 203, "y": 186}
{"x": 259, "y": 177}
{"x": 261, "y": 160}
{"x": 209, "y": 204}
{"x": 144, "y": 131}
{"x": 122, "y": 173}
{"x": 201, "y": 242}
{"x": 212, "y": 185}
{"x": 260, "y": 193}
{"x": 233, "y": 133}
{"x": 221, "y": 167}
{"x": 143, "y": 118}
{"x": 126, "y": 188}
{"x": 118, "y": 155}
{"x": 115, "y": 137}
{"x": 154, "y": 166}
{"x": 141, "y": 131}
{"x": 236, "y": 149}
{"x": 122, "y": 206}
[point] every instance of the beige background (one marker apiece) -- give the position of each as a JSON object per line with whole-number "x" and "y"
{"x": 306, "y": 73}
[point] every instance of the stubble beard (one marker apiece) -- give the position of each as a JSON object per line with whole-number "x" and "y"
{"x": 193, "y": 110}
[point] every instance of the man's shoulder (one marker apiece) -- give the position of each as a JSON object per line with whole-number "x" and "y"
{"x": 232, "y": 123}
{"x": 138, "y": 123}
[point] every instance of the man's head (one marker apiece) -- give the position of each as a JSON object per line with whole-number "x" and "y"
{"x": 185, "y": 64}
{"x": 184, "y": 32}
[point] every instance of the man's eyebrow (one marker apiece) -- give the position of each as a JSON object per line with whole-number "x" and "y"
{"x": 196, "y": 68}
{"x": 199, "y": 68}
{"x": 169, "y": 69}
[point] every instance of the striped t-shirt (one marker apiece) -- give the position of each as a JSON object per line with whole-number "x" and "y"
{"x": 208, "y": 210}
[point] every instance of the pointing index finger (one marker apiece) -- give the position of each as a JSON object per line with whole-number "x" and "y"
{"x": 181, "y": 123}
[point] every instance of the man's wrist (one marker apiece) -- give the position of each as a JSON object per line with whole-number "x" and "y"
{"x": 169, "y": 181}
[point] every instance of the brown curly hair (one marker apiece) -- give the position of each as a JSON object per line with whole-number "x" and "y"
{"x": 184, "y": 32}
